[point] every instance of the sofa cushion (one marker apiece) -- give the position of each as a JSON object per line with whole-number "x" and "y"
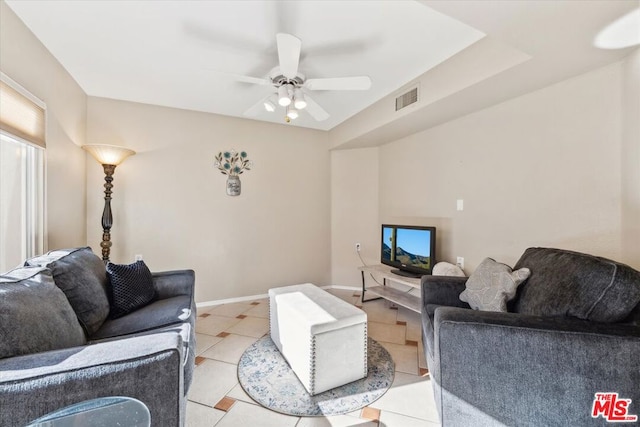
{"x": 35, "y": 315}
{"x": 131, "y": 287}
{"x": 83, "y": 278}
{"x": 566, "y": 283}
{"x": 160, "y": 313}
{"x": 491, "y": 285}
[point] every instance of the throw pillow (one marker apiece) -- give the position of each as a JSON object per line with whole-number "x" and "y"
{"x": 447, "y": 269}
{"x": 131, "y": 287}
{"x": 567, "y": 283}
{"x": 491, "y": 285}
{"x": 82, "y": 277}
{"x": 35, "y": 315}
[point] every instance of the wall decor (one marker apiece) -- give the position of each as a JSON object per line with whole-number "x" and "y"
{"x": 233, "y": 164}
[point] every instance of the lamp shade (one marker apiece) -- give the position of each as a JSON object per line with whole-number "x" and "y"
{"x": 283, "y": 96}
{"x": 268, "y": 105}
{"x": 108, "y": 154}
{"x": 292, "y": 113}
{"x": 299, "y": 101}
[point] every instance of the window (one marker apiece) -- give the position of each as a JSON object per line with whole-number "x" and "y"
{"x": 22, "y": 146}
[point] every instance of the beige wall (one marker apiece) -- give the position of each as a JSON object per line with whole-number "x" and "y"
{"x": 354, "y": 213}
{"x": 557, "y": 167}
{"x": 25, "y": 60}
{"x": 170, "y": 204}
{"x": 442, "y": 95}
{"x": 631, "y": 160}
{"x": 543, "y": 169}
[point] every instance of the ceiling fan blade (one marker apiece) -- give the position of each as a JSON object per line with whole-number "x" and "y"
{"x": 288, "y": 54}
{"x": 254, "y": 80}
{"x": 244, "y": 79}
{"x": 315, "y": 110}
{"x": 339, "y": 83}
{"x": 257, "y": 108}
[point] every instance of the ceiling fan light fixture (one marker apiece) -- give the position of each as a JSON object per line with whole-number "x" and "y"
{"x": 283, "y": 96}
{"x": 269, "y": 106}
{"x": 292, "y": 113}
{"x": 299, "y": 101}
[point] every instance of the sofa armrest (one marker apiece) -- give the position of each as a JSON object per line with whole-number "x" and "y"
{"x": 512, "y": 369}
{"x": 148, "y": 368}
{"x": 443, "y": 290}
{"x": 172, "y": 283}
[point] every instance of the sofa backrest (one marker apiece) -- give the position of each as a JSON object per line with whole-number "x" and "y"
{"x": 82, "y": 276}
{"x": 35, "y": 315}
{"x": 567, "y": 283}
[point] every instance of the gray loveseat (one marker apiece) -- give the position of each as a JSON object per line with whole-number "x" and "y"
{"x": 573, "y": 330}
{"x": 58, "y": 345}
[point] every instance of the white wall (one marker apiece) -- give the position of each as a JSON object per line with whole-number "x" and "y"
{"x": 354, "y": 213}
{"x": 631, "y": 160}
{"x": 543, "y": 169}
{"x": 169, "y": 201}
{"x": 28, "y": 62}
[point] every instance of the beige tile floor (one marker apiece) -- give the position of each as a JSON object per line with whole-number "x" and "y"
{"x": 223, "y": 333}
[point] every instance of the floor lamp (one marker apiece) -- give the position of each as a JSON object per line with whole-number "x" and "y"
{"x": 109, "y": 156}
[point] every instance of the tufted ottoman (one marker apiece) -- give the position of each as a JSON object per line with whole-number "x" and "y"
{"x": 323, "y": 338}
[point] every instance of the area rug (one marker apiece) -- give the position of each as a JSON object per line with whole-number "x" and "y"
{"x": 266, "y": 377}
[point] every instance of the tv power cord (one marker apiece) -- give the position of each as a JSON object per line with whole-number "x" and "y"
{"x": 365, "y": 265}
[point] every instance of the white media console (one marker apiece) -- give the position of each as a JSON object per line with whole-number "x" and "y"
{"x": 404, "y": 297}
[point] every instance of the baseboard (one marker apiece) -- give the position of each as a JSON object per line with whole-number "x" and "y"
{"x": 230, "y": 300}
{"x": 261, "y": 296}
{"x": 346, "y": 288}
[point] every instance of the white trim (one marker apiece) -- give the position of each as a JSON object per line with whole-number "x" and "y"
{"x": 347, "y": 288}
{"x": 263, "y": 296}
{"x": 24, "y": 92}
{"x": 230, "y": 300}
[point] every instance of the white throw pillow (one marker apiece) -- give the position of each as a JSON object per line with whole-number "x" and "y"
{"x": 491, "y": 285}
{"x": 447, "y": 269}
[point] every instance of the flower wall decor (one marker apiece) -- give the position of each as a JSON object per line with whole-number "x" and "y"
{"x": 233, "y": 164}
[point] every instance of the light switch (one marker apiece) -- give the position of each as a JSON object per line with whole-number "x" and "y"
{"x": 460, "y": 204}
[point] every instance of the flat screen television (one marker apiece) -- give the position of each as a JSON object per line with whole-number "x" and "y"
{"x": 410, "y": 249}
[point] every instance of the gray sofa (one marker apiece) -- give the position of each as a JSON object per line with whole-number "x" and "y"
{"x": 572, "y": 330}
{"x": 58, "y": 345}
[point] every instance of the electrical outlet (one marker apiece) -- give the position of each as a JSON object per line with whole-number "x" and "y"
{"x": 357, "y": 247}
{"x": 138, "y": 257}
{"x": 460, "y": 262}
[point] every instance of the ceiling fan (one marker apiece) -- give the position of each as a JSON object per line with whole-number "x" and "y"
{"x": 291, "y": 85}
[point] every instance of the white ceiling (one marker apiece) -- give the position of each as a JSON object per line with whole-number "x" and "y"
{"x": 176, "y": 53}
{"x": 179, "y": 53}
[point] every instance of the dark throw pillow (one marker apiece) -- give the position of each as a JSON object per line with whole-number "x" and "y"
{"x": 35, "y": 315}
{"x": 81, "y": 275}
{"x": 131, "y": 287}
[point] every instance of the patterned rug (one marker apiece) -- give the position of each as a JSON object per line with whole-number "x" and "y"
{"x": 265, "y": 375}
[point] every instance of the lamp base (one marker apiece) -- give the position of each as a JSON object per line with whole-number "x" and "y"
{"x": 107, "y": 217}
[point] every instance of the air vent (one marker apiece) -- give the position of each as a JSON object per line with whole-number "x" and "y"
{"x": 406, "y": 99}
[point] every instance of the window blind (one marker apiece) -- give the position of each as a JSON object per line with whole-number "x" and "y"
{"x": 20, "y": 115}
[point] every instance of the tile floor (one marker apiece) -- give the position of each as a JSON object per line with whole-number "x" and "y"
{"x": 223, "y": 333}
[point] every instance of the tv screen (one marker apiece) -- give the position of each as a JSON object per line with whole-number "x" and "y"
{"x": 411, "y": 249}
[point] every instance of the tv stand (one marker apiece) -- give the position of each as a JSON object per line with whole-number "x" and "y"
{"x": 388, "y": 292}
{"x": 404, "y": 273}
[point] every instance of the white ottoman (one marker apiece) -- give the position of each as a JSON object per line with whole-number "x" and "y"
{"x": 323, "y": 338}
